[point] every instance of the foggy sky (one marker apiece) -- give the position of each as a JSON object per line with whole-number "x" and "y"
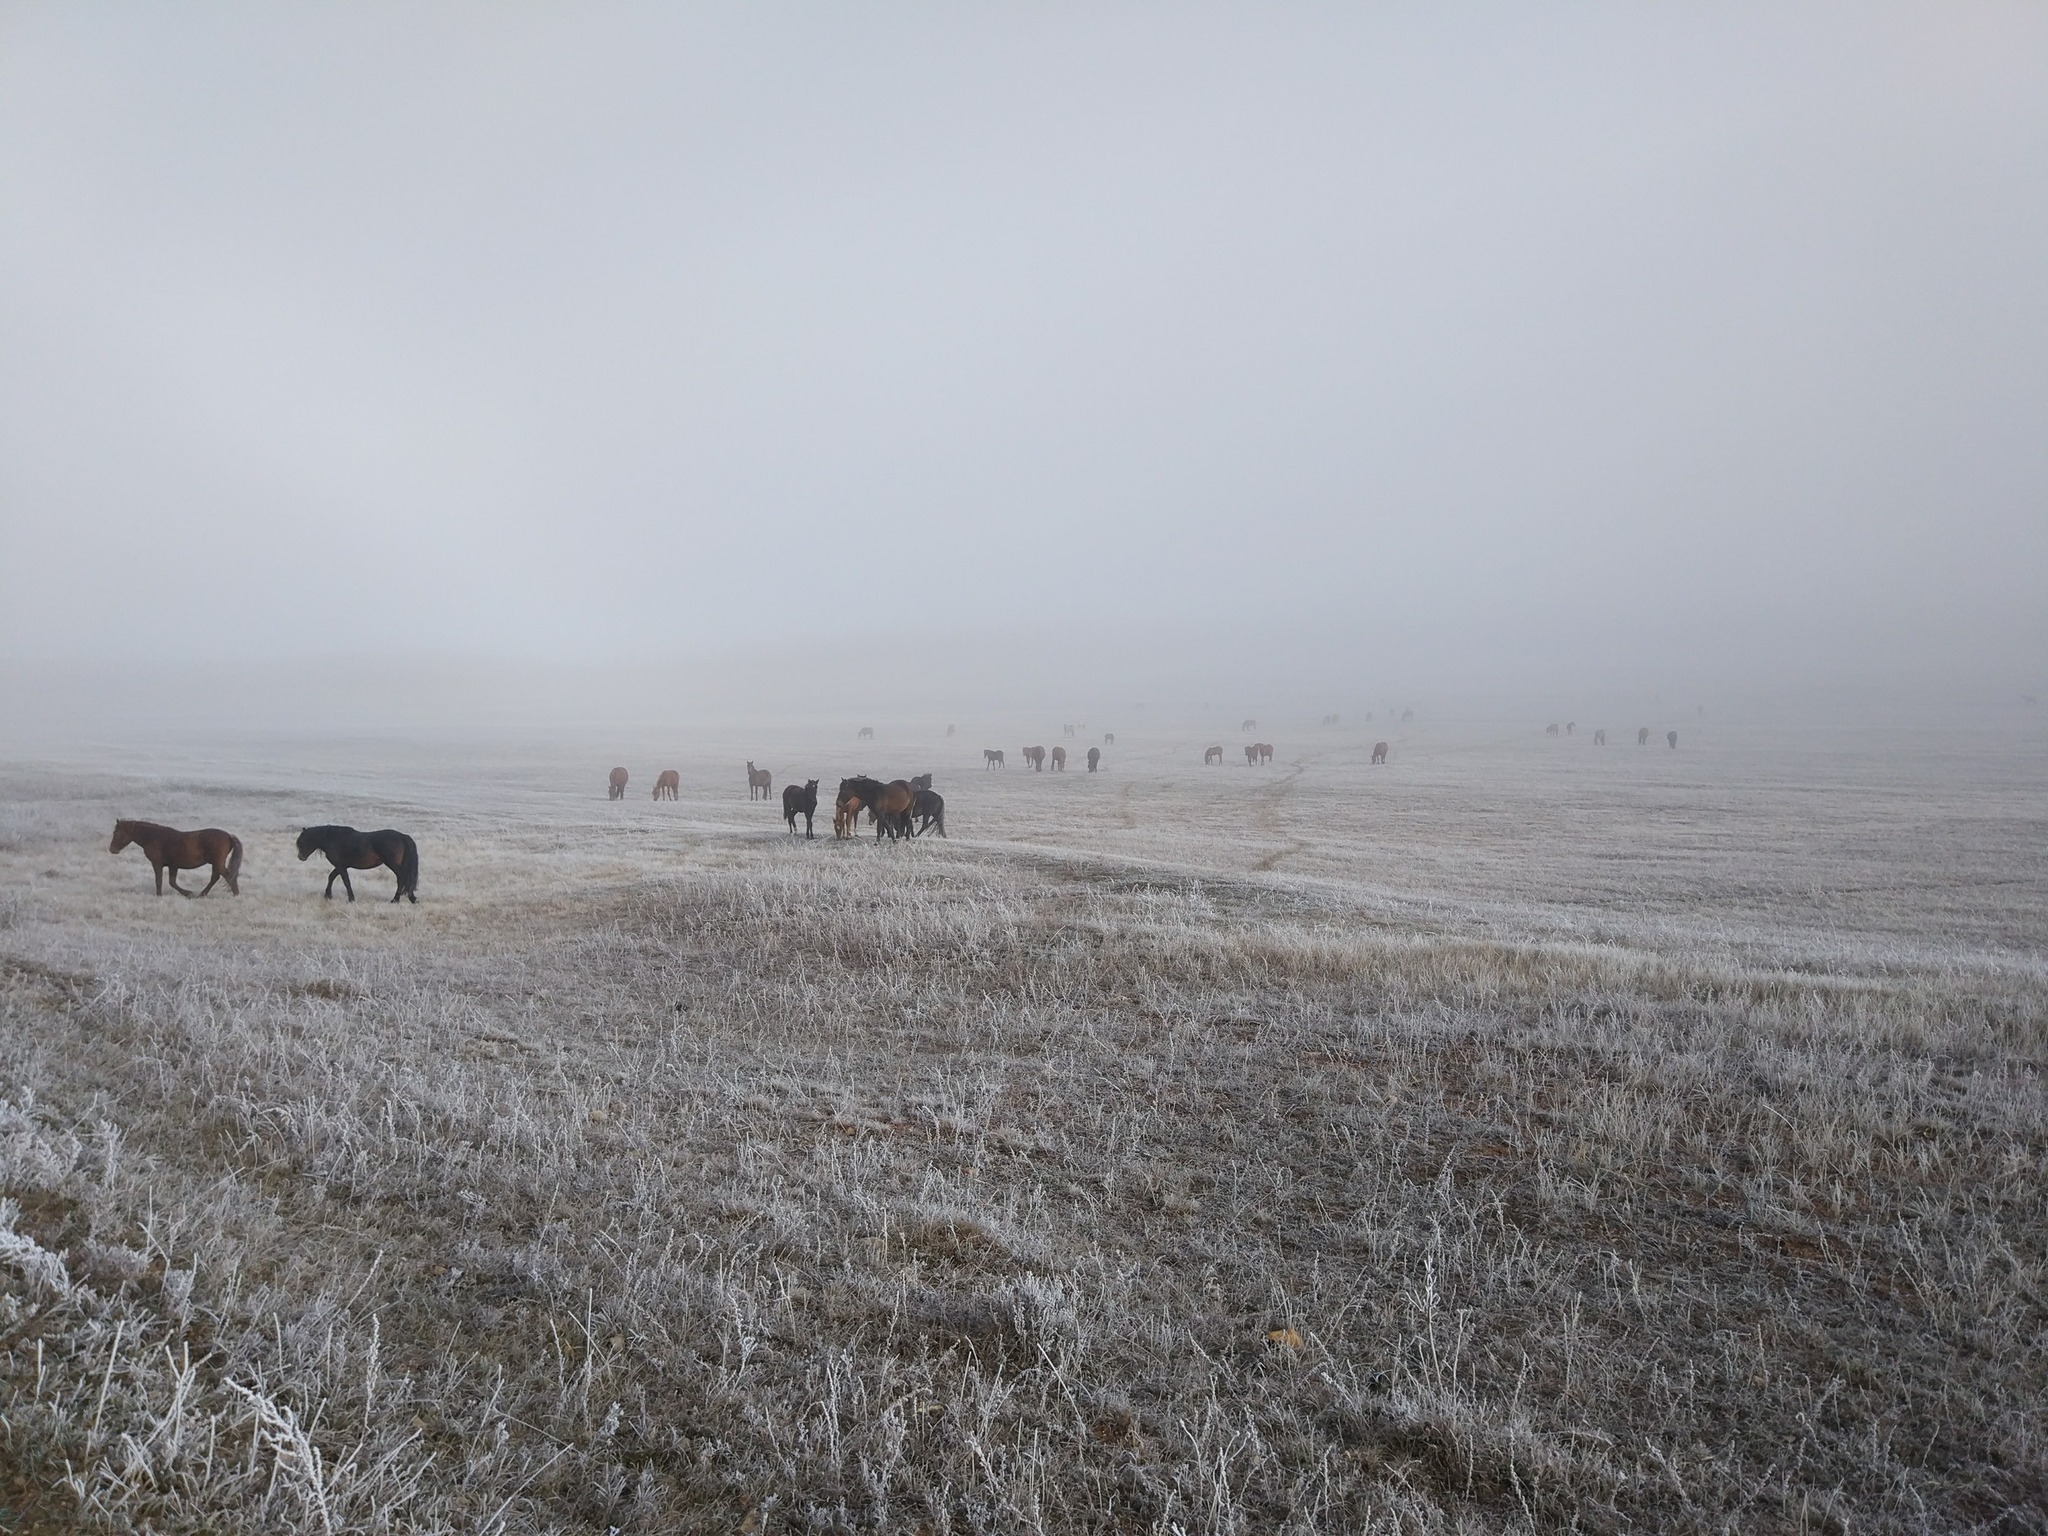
{"x": 1585, "y": 333}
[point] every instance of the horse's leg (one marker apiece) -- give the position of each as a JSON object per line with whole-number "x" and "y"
{"x": 217, "y": 871}
{"x": 158, "y": 867}
{"x": 330, "y": 881}
{"x": 347, "y": 884}
{"x": 174, "y": 881}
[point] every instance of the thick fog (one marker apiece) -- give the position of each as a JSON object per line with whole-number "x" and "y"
{"x": 1420, "y": 345}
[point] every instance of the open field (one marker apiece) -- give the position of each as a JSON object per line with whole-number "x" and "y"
{"x": 1520, "y": 1135}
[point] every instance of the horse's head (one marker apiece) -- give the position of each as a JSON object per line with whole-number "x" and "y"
{"x": 306, "y": 844}
{"x": 124, "y": 834}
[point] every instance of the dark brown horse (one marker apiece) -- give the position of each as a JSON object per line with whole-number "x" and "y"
{"x": 1109, "y": 738}
{"x": 1643, "y": 737}
{"x": 172, "y": 850}
{"x": 1259, "y": 752}
{"x": 667, "y": 786}
{"x": 1035, "y": 756}
{"x": 1212, "y": 755}
{"x": 348, "y": 849}
{"x": 929, "y": 807}
{"x": 1379, "y": 751}
{"x": 890, "y": 804}
{"x": 618, "y": 785}
{"x": 1059, "y": 759}
{"x": 1094, "y": 757}
{"x": 800, "y": 802}
{"x": 992, "y": 757}
{"x": 759, "y": 781}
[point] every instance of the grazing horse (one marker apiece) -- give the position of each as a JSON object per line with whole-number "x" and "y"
{"x": 173, "y": 850}
{"x": 1643, "y": 737}
{"x": 1249, "y": 725}
{"x": 892, "y": 806}
{"x": 929, "y": 806}
{"x": 1407, "y": 715}
{"x": 759, "y": 781}
{"x": 1068, "y": 729}
{"x": 348, "y": 849}
{"x": 1550, "y": 730}
{"x": 992, "y": 757}
{"x": 867, "y": 733}
{"x": 1600, "y": 737}
{"x": 921, "y": 781}
{"x": 1035, "y": 756}
{"x": 1109, "y": 738}
{"x": 1672, "y": 737}
{"x": 618, "y": 785}
{"x": 1059, "y": 759}
{"x": 1379, "y": 751}
{"x": 666, "y": 787}
{"x": 1264, "y": 750}
{"x": 802, "y": 802}
{"x": 1094, "y": 757}
{"x": 1213, "y": 755}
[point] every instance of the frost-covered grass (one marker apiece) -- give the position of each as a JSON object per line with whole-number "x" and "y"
{"x": 1499, "y": 1157}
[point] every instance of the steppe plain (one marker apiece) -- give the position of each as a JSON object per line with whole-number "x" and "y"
{"x": 1520, "y": 1135}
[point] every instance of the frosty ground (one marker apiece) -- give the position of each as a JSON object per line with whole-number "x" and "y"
{"x": 1520, "y": 1134}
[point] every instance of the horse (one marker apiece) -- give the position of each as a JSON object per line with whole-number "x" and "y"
{"x": 1213, "y": 755}
{"x": 1550, "y": 730}
{"x": 1068, "y": 729}
{"x": 1329, "y": 719}
{"x": 1407, "y": 715}
{"x": 172, "y": 850}
{"x": 1249, "y": 725}
{"x": 1109, "y": 738}
{"x": 1094, "y": 757}
{"x": 1600, "y": 737}
{"x": 1265, "y": 751}
{"x": 1035, "y": 756}
{"x": 759, "y": 781}
{"x": 1059, "y": 759}
{"x": 1672, "y": 737}
{"x": 949, "y": 730}
{"x": 1379, "y": 751}
{"x": 888, "y": 803}
{"x": 1251, "y": 754}
{"x": 929, "y": 806}
{"x": 618, "y": 785}
{"x": 855, "y": 795}
{"x": 1643, "y": 737}
{"x": 921, "y": 781}
{"x": 800, "y": 801}
{"x": 1571, "y": 727}
{"x": 992, "y": 757}
{"x": 867, "y": 733}
{"x": 348, "y": 849}
{"x": 666, "y": 786}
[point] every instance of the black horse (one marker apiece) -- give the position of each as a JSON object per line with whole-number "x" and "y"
{"x": 930, "y": 807}
{"x": 348, "y": 849}
{"x": 800, "y": 802}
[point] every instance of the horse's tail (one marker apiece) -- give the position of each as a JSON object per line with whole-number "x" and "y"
{"x": 234, "y": 860}
{"x": 409, "y": 876}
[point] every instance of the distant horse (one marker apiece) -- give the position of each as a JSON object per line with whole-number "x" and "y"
{"x": 1643, "y": 737}
{"x": 1068, "y": 729}
{"x": 667, "y": 785}
{"x": 1265, "y": 751}
{"x": 867, "y": 733}
{"x": 1550, "y": 730}
{"x": 1059, "y": 759}
{"x": 759, "y": 781}
{"x": 1600, "y": 737}
{"x": 1407, "y": 715}
{"x": 1094, "y": 757}
{"x": 929, "y": 806}
{"x": 802, "y": 802}
{"x": 1251, "y": 753}
{"x": 348, "y": 849}
{"x": 992, "y": 757}
{"x": 1672, "y": 737}
{"x": 949, "y": 730}
{"x": 618, "y": 785}
{"x": 1571, "y": 727}
{"x": 1329, "y": 719}
{"x": 1109, "y": 738}
{"x": 172, "y": 850}
{"x": 1379, "y": 751}
{"x": 1035, "y": 756}
{"x": 1212, "y": 755}
{"x": 1249, "y": 725}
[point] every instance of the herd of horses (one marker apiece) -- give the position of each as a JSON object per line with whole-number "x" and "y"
{"x": 169, "y": 851}
{"x": 1571, "y": 728}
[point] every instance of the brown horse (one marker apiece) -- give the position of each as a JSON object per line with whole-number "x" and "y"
{"x": 1035, "y": 756}
{"x": 1213, "y": 755}
{"x": 1379, "y": 751}
{"x": 759, "y": 781}
{"x": 618, "y": 785}
{"x": 1094, "y": 757}
{"x": 1265, "y": 751}
{"x": 667, "y": 786}
{"x": 992, "y": 757}
{"x": 172, "y": 850}
{"x": 1059, "y": 759}
{"x": 1251, "y": 753}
